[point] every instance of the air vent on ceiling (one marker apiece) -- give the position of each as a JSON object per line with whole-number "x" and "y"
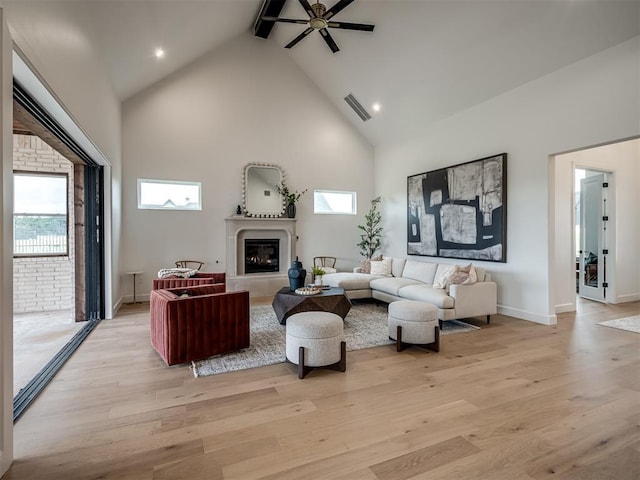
{"x": 359, "y": 109}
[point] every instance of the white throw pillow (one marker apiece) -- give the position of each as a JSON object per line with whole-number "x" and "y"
{"x": 383, "y": 267}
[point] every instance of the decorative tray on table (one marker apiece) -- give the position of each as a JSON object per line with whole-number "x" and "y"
{"x": 308, "y": 290}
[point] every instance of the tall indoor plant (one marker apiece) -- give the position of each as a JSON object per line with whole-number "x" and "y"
{"x": 371, "y": 236}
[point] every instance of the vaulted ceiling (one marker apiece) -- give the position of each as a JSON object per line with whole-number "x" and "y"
{"x": 425, "y": 61}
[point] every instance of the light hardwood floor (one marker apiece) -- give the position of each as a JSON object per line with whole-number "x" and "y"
{"x": 512, "y": 401}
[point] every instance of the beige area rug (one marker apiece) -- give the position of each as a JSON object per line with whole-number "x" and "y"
{"x": 365, "y": 326}
{"x": 630, "y": 324}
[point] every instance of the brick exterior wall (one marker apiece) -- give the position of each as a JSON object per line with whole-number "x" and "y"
{"x": 43, "y": 283}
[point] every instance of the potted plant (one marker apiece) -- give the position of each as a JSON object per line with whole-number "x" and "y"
{"x": 289, "y": 198}
{"x": 317, "y": 273}
{"x": 371, "y": 236}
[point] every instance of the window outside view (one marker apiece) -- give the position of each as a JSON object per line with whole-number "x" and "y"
{"x": 169, "y": 195}
{"x": 334, "y": 202}
{"x": 40, "y": 214}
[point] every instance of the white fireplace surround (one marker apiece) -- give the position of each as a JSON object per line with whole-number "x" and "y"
{"x": 240, "y": 228}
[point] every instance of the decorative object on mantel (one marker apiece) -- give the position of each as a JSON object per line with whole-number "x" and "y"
{"x": 297, "y": 274}
{"x": 370, "y": 238}
{"x": 259, "y": 194}
{"x": 289, "y": 198}
{"x": 238, "y": 210}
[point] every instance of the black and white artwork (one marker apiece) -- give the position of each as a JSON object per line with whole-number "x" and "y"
{"x": 459, "y": 211}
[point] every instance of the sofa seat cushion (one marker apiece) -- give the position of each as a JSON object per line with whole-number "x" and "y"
{"x": 349, "y": 281}
{"x": 424, "y": 293}
{"x": 391, "y": 285}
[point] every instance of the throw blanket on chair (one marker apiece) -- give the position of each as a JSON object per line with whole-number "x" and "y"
{"x": 176, "y": 272}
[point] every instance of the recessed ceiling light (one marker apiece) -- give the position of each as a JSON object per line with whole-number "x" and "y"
{"x": 159, "y": 53}
{"x": 376, "y": 107}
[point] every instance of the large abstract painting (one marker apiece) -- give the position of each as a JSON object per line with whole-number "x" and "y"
{"x": 459, "y": 211}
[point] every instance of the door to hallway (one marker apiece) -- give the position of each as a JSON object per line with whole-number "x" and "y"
{"x": 592, "y": 240}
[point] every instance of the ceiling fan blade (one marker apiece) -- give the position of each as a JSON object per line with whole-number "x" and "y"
{"x": 329, "y": 39}
{"x": 307, "y": 8}
{"x": 298, "y": 38}
{"x": 341, "y": 5}
{"x": 352, "y": 26}
{"x": 285, "y": 20}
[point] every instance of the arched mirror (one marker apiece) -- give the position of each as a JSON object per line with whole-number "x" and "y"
{"x": 260, "y": 196}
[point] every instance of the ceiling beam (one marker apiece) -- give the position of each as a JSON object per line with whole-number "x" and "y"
{"x": 270, "y": 8}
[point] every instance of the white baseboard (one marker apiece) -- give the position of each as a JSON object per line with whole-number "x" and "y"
{"x": 632, "y": 297}
{"x": 565, "y": 307}
{"x": 140, "y": 297}
{"x": 530, "y": 316}
{"x": 116, "y": 307}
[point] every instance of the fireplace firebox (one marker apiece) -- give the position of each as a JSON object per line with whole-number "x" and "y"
{"x": 261, "y": 255}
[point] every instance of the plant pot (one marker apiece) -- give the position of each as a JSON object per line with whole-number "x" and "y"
{"x": 291, "y": 210}
{"x": 318, "y": 280}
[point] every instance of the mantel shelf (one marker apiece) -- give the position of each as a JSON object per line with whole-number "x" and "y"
{"x": 259, "y": 219}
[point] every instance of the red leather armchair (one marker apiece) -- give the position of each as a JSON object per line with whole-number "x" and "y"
{"x": 200, "y": 278}
{"x": 194, "y": 323}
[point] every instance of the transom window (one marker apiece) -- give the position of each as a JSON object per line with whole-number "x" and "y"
{"x": 169, "y": 195}
{"x": 334, "y": 202}
{"x": 40, "y": 214}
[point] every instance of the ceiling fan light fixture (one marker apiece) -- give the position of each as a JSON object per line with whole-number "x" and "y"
{"x": 318, "y": 23}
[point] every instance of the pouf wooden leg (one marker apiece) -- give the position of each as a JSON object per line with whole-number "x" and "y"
{"x": 302, "y": 370}
{"x": 340, "y": 366}
{"x": 433, "y": 346}
{"x": 399, "y": 345}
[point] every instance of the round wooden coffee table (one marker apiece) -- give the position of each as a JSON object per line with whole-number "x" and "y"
{"x": 287, "y": 303}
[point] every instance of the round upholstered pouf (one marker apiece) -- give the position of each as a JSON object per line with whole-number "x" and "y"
{"x": 418, "y": 321}
{"x": 322, "y": 337}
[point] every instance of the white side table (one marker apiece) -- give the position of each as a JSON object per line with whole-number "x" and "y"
{"x": 134, "y": 282}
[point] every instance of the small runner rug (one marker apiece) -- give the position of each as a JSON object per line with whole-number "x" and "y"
{"x": 630, "y": 324}
{"x": 364, "y": 327}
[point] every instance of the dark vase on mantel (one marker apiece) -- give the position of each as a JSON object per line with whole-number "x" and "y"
{"x": 297, "y": 274}
{"x": 291, "y": 210}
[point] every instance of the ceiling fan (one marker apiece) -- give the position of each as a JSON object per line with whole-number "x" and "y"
{"x": 320, "y": 20}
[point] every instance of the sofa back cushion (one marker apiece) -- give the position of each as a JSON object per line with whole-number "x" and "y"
{"x": 397, "y": 266}
{"x": 422, "y": 271}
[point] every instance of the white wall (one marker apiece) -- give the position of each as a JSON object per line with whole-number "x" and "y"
{"x": 66, "y": 58}
{"x": 623, "y": 160}
{"x": 588, "y": 103}
{"x": 244, "y": 102}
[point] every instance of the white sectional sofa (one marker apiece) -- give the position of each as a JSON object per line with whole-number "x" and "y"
{"x": 413, "y": 280}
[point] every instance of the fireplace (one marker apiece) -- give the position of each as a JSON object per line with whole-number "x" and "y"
{"x": 261, "y": 255}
